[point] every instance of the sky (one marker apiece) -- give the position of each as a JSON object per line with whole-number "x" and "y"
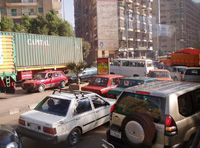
{"x": 68, "y": 11}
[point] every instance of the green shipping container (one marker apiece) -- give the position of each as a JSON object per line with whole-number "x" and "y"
{"x": 34, "y": 50}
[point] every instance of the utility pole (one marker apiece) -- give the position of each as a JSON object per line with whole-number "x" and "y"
{"x": 158, "y": 30}
{"x": 126, "y": 22}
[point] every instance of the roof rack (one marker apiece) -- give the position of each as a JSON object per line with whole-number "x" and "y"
{"x": 75, "y": 92}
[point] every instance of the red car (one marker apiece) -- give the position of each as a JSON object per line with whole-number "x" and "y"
{"x": 160, "y": 74}
{"x": 100, "y": 84}
{"x": 43, "y": 80}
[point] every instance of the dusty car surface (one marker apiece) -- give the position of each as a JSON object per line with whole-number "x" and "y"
{"x": 9, "y": 138}
{"x": 160, "y": 74}
{"x": 44, "y": 80}
{"x": 128, "y": 82}
{"x": 160, "y": 114}
{"x": 100, "y": 84}
{"x": 64, "y": 116}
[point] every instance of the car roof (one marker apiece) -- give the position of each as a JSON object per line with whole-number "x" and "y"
{"x": 138, "y": 78}
{"x": 108, "y": 76}
{"x": 193, "y": 68}
{"x": 132, "y": 59}
{"x": 163, "y": 88}
{"x": 69, "y": 95}
{"x": 157, "y": 70}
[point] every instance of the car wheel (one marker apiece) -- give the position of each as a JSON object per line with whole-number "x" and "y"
{"x": 29, "y": 91}
{"x": 138, "y": 130}
{"x": 74, "y": 137}
{"x": 41, "y": 88}
{"x": 175, "y": 79}
{"x": 62, "y": 84}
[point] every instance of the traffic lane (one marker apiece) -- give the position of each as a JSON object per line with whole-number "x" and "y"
{"x": 90, "y": 139}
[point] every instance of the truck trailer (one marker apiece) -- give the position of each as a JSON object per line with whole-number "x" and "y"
{"x": 22, "y": 55}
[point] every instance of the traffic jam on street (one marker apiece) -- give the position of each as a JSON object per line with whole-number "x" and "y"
{"x": 122, "y": 74}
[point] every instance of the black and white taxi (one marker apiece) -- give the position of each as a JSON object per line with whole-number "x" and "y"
{"x": 64, "y": 116}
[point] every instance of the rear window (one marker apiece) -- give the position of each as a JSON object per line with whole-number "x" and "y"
{"x": 129, "y": 103}
{"x": 192, "y": 72}
{"x": 54, "y": 106}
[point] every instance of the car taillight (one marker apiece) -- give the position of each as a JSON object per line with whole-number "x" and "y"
{"x": 142, "y": 92}
{"x": 48, "y": 130}
{"x": 170, "y": 126}
{"x": 98, "y": 92}
{"x": 21, "y": 122}
{"x": 112, "y": 108}
{"x": 111, "y": 96}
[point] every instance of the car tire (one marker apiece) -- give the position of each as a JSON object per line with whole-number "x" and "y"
{"x": 41, "y": 88}
{"x": 62, "y": 84}
{"x": 74, "y": 137}
{"x": 138, "y": 130}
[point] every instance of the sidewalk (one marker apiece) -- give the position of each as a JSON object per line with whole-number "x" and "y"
{"x": 24, "y": 103}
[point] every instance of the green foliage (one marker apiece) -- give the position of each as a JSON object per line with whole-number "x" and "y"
{"x": 77, "y": 68}
{"x": 6, "y": 24}
{"x": 151, "y": 54}
{"x": 48, "y": 25}
{"x": 160, "y": 53}
{"x": 86, "y": 48}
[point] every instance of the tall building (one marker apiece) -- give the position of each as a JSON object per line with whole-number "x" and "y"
{"x": 14, "y": 9}
{"x": 115, "y": 28}
{"x": 179, "y": 24}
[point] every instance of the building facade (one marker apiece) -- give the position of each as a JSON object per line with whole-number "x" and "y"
{"x": 14, "y": 9}
{"x": 179, "y": 24}
{"x": 115, "y": 28}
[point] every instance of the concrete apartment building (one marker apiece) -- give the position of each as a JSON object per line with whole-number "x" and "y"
{"x": 14, "y": 9}
{"x": 179, "y": 24}
{"x": 115, "y": 28}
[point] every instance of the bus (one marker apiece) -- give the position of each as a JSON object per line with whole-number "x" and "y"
{"x": 131, "y": 67}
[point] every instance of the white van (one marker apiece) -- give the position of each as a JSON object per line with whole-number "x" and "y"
{"x": 131, "y": 67}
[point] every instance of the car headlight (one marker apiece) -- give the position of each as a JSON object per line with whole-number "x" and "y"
{"x": 12, "y": 145}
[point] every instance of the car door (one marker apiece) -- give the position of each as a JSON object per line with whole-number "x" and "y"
{"x": 47, "y": 80}
{"x": 85, "y": 115}
{"x": 102, "y": 110}
{"x": 56, "y": 79}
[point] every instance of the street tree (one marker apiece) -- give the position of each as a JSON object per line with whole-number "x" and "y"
{"x": 65, "y": 29}
{"x": 6, "y": 24}
{"x": 26, "y": 23}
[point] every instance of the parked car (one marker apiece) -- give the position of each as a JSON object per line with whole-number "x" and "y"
{"x": 192, "y": 74}
{"x": 9, "y": 138}
{"x": 160, "y": 74}
{"x": 159, "y": 114}
{"x": 44, "y": 80}
{"x": 100, "y": 84}
{"x": 64, "y": 116}
{"x": 128, "y": 82}
{"x": 176, "y": 72}
{"x": 86, "y": 75}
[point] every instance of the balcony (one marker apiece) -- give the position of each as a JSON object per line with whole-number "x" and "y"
{"x": 136, "y": 4}
{"x": 120, "y": 0}
{"x": 143, "y": 6}
{"x": 18, "y": 3}
{"x": 17, "y": 15}
{"x": 122, "y": 38}
{"x": 129, "y": 1}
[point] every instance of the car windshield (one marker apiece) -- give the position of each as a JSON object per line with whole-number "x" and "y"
{"x": 160, "y": 74}
{"x": 182, "y": 69}
{"x": 98, "y": 81}
{"x": 54, "y": 106}
{"x": 128, "y": 83}
{"x": 39, "y": 76}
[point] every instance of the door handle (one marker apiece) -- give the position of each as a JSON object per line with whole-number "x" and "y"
{"x": 78, "y": 118}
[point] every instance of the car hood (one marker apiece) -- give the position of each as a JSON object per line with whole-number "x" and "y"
{"x": 7, "y": 135}
{"x": 92, "y": 88}
{"x": 111, "y": 101}
{"x": 116, "y": 91}
{"x": 164, "y": 79}
{"x": 41, "y": 118}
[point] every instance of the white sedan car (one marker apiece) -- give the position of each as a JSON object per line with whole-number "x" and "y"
{"x": 64, "y": 116}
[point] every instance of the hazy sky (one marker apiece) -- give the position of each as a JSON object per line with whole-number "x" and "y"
{"x": 68, "y": 11}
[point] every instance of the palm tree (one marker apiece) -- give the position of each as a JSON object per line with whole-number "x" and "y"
{"x": 77, "y": 68}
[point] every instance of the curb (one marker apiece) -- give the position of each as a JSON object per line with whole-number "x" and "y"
{"x": 18, "y": 110}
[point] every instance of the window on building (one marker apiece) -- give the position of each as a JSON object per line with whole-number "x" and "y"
{"x": 40, "y": 10}
{"x": 3, "y": 11}
{"x": 13, "y": 12}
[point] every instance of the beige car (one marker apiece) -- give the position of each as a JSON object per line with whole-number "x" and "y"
{"x": 159, "y": 114}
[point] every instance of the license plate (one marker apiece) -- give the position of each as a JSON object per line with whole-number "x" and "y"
{"x": 34, "y": 126}
{"x": 115, "y": 134}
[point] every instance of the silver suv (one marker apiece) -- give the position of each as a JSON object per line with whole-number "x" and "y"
{"x": 158, "y": 114}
